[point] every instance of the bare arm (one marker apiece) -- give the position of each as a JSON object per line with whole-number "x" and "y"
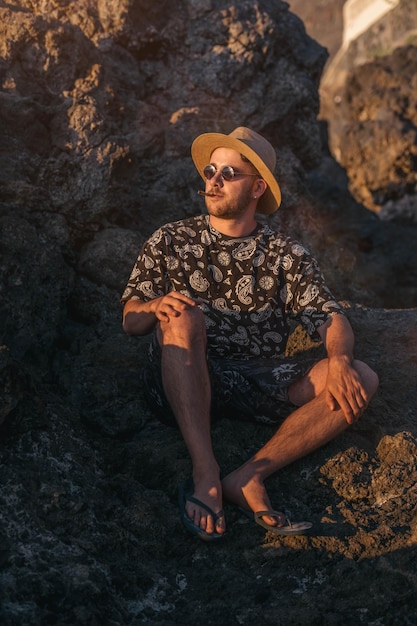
{"x": 140, "y": 318}
{"x": 344, "y": 388}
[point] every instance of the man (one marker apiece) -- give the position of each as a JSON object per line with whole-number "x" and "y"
{"x": 218, "y": 292}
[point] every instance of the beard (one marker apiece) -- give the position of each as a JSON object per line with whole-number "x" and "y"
{"x": 229, "y": 209}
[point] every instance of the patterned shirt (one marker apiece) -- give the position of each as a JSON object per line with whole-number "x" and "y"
{"x": 251, "y": 287}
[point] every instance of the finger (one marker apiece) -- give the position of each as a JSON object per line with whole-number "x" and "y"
{"x": 358, "y": 400}
{"x": 164, "y": 315}
{"x": 343, "y": 403}
{"x": 331, "y": 402}
{"x": 175, "y": 308}
{"x": 161, "y": 315}
{"x": 350, "y": 416}
{"x": 359, "y": 393}
{"x": 362, "y": 398}
{"x": 351, "y": 410}
{"x": 181, "y": 298}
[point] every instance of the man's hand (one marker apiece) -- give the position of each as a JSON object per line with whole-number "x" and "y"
{"x": 344, "y": 389}
{"x": 172, "y": 305}
{"x": 140, "y": 318}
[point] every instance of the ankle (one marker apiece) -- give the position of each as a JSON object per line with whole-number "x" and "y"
{"x": 203, "y": 472}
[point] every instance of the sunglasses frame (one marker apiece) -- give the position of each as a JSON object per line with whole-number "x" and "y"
{"x": 231, "y": 175}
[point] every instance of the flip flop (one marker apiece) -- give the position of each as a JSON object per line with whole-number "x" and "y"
{"x": 185, "y": 491}
{"x": 290, "y": 528}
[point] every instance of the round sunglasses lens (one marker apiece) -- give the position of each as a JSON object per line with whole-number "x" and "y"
{"x": 228, "y": 173}
{"x": 209, "y": 171}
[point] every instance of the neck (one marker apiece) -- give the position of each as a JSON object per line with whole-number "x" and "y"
{"x": 234, "y": 227}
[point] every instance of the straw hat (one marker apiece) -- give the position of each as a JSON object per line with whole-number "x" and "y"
{"x": 254, "y": 147}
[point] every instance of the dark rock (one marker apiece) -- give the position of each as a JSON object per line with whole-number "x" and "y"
{"x": 98, "y": 108}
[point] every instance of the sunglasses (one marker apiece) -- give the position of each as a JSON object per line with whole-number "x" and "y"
{"x": 227, "y": 172}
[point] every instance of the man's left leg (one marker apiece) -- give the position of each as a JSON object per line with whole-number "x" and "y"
{"x": 308, "y": 428}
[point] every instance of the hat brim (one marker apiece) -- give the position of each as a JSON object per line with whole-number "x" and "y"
{"x": 202, "y": 148}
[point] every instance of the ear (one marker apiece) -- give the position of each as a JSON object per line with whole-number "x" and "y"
{"x": 259, "y": 187}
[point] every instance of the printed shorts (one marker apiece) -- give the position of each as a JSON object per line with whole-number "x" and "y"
{"x": 254, "y": 389}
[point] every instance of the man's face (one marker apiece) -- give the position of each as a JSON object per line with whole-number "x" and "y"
{"x": 230, "y": 199}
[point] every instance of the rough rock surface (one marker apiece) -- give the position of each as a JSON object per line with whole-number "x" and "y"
{"x": 367, "y": 94}
{"x": 98, "y": 106}
{"x": 377, "y": 115}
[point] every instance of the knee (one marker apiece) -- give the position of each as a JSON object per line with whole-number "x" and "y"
{"x": 369, "y": 378}
{"x": 189, "y": 326}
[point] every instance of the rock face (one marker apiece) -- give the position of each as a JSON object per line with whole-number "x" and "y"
{"x": 99, "y": 103}
{"x": 377, "y": 115}
{"x": 367, "y": 95}
{"x": 98, "y": 108}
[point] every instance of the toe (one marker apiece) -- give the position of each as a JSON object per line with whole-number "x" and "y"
{"x": 277, "y": 519}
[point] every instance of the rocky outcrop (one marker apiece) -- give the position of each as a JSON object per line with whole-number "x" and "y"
{"x": 98, "y": 107}
{"x": 376, "y": 116}
{"x": 367, "y": 93}
{"x": 367, "y": 90}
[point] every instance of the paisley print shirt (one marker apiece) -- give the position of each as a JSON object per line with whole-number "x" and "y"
{"x": 251, "y": 287}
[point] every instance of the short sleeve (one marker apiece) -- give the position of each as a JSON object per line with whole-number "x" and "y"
{"x": 311, "y": 302}
{"x": 148, "y": 279}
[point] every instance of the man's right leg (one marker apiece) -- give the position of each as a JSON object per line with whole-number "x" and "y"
{"x": 187, "y": 387}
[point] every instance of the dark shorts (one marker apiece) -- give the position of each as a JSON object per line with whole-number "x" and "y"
{"x": 254, "y": 389}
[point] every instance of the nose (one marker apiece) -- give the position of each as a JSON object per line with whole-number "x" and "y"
{"x": 217, "y": 179}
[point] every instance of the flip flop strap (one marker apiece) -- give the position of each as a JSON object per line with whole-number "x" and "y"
{"x": 210, "y": 511}
{"x": 271, "y": 513}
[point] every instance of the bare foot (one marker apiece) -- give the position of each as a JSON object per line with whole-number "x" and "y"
{"x": 250, "y": 494}
{"x": 209, "y": 492}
